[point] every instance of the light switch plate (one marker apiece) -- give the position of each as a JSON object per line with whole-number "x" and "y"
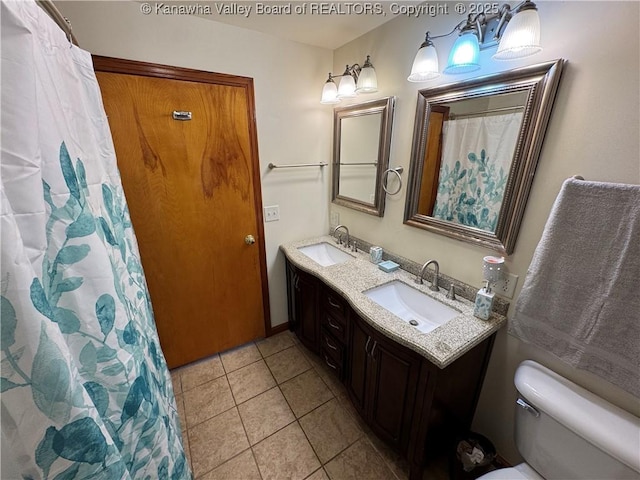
{"x": 272, "y": 213}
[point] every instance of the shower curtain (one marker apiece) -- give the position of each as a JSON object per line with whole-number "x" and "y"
{"x": 85, "y": 390}
{"x": 475, "y": 165}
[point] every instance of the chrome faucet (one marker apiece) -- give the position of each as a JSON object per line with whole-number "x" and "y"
{"x": 339, "y": 237}
{"x": 436, "y": 273}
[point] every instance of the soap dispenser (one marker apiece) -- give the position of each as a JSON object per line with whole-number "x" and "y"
{"x": 492, "y": 271}
{"x": 484, "y": 302}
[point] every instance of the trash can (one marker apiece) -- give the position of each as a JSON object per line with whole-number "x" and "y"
{"x": 473, "y": 457}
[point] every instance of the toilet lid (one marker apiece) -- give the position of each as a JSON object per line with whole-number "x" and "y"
{"x": 520, "y": 472}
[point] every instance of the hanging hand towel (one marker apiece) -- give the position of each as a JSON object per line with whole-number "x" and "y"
{"x": 581, "y": 296}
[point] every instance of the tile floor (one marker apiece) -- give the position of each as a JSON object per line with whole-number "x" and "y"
{"x": 271, "y": 410}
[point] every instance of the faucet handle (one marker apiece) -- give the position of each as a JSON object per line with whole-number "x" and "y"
{"x": 451, "y": 294}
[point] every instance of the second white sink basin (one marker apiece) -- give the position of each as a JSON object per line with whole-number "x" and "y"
{"x": 411, "y": 305}
{"x": 325, "y": 254}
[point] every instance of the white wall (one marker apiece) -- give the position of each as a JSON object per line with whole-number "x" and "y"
{"x": 292, "y": 125}
{"x": 594, "y": 132}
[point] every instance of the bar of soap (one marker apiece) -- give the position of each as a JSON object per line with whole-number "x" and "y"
{"x": 388, "y": 266}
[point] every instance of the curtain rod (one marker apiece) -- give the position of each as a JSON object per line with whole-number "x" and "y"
{"x": 63, "y": 22}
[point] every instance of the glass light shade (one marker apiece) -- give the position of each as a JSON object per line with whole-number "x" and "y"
{"x": 464, "y": 56}
{"x": 329, "y": 93}
{"x": 425, "y": 65}
{"x": 367, "y": 81}
{"x": 346, "y": 87}
{"x": 521, "y": 38}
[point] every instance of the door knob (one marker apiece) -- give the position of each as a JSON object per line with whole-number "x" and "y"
{"x": 249, "y": 240}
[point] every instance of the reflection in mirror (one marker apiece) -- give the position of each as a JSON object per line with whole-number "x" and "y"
{"x": 475, "y": 149}
{"x": 470, "y": 147}
{"x": 359, "y": 140}
{"x": 362, "y": 140}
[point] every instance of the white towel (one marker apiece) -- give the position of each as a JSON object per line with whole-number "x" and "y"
{"x": 581, "y": 296}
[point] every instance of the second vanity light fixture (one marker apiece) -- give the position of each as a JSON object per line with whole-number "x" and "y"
{"x": 515, "y": 30}
{"x": 354, "y": 80}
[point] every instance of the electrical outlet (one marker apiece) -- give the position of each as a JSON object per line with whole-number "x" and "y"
{"x": 507, "y": 286}
{"x": 334, "y": 218}
{"x": 272, "y": 213}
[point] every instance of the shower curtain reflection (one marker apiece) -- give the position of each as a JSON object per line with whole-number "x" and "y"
{"x": 476, "y": 160}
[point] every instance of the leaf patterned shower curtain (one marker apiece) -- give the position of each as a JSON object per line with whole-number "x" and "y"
{"x": 475, "y": 165}
{"x": 85, "y": 390}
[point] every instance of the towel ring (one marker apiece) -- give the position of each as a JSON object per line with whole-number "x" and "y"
{"x": 397, "y": 171}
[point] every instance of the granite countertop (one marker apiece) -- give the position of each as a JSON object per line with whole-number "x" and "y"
{"x": 440, "y": 346}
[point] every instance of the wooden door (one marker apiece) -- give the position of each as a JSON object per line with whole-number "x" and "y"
{"x": 194, "y": 195}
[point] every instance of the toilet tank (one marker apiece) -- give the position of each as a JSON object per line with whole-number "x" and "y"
{"x": 566, "y": 432}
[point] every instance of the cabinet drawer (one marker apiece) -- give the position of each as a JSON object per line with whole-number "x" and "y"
{"x": 335, "y": 366}
{"x": 336, "y": 327}
{"x": 334, "y": 304}
{"x": 332, "y": 347}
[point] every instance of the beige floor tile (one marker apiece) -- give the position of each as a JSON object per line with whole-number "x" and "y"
{"x": 249, "y": 381}
{"x": 305, "y": 392}
{"x": 265, "y": 414}
{"x": 215, "y": 441}
{"x": 396, "y": 463}
{"x": 330, "y": 429}
{"x": 286, "y": 455}
{"x": 240, "y": 467}
{"x": 318, "y": 475}
{"x": 274, "y": 344}
{"x": 240, "y": 357}
{"x": 176, "y": 381}
{"x": 180, "y": 408}
{"x": 357, "y": 462}
{"x": 287, "y": 364}
{"x": 294, "y": 337}
{"x": 207, "y": 400}
{"x": 185, "y": 444}
{"x": 201, "y": 372}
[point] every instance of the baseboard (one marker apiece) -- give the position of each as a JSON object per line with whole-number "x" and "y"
{"x": 283, "y": 327}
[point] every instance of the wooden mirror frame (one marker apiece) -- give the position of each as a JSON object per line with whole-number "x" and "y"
{"x": 385, "y": 107}
{"x": 541, "y": 82}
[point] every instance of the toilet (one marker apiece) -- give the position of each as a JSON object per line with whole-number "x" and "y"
{"x": 566, "y": 432}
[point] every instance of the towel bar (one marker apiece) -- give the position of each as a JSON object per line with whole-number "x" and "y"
{"x": 294, "y": 165}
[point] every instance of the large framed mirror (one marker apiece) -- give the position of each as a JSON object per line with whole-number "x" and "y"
{"x": 475, "y": 149}
{"x": 361, "y": 145}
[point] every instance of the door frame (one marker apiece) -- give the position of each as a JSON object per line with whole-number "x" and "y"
{"x": 145, "y": 69}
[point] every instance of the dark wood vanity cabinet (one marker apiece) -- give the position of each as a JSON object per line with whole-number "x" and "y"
{"x": 416, "y": 407}
{"x": 303, "y": 292}
{"x": 382, "y": 381}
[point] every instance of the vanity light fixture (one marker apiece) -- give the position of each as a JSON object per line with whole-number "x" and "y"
{"x": 516, "y": 31}
{"x": 354, "y": 80}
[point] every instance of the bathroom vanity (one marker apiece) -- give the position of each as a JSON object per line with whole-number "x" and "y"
{"x": 417, "y": 391}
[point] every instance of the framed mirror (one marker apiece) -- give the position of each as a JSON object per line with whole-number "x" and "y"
{"x": 475, "y": 149}
{"x": 361, "y": 145}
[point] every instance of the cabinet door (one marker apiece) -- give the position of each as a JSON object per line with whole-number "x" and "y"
{"x": 357, "y": 370}
{"x": 291, "y": 297}
{"x": 307, "y": 296}
{"x": 392, "y": 390}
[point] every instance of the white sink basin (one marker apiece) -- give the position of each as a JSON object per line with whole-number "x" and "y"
{"x": 411, "y": 305}
{"x": 325, "y": 254}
